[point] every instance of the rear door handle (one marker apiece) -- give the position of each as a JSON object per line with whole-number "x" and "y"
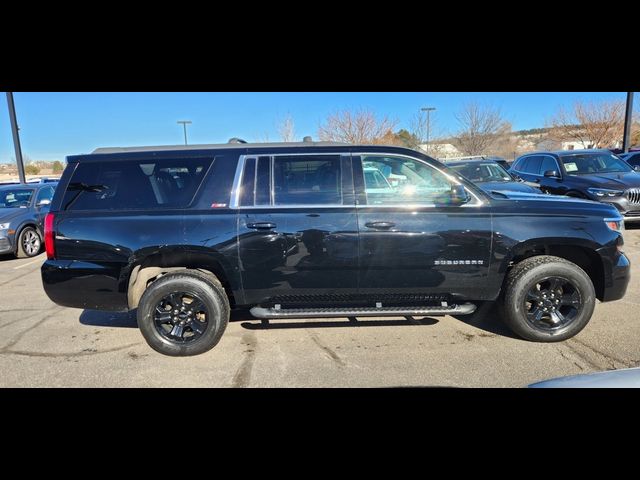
{"x": 262, "y": 225}
{"x": 380, "y": 225}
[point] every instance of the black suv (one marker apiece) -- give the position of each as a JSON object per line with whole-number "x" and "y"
{"x": 184, "y": 234}
{"x": 593, "y": 174}
{"x": 22, "y": 211}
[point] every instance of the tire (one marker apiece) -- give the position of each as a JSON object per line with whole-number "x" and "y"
{"x": 188, "y": 335}
{"x": 29, "y": 243}
{"x": 539, "y": 281}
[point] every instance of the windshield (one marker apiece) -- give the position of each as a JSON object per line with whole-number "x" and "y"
{"x": 591, "y": 163}
{"x": 15, "y": 198}
{"x": 482, "y": 172}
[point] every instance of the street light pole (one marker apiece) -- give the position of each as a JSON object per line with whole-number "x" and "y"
{"x": 184, "y": 125}
{"x": 428, "y": 110}
{"x": 626, "y": 139}
{"x": 16, "y": 137}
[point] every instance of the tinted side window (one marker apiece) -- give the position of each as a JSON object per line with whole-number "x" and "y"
{"x": 263, "y": 181}
{"x": 548, "y": 163}
{"x": 634, "y": 160}
{"x": 307, "y": 180}
{"x": 44, "y": 194}
{"x": 135, "y": 184}
{"x": 256, "y": 182}
{"x": 519, "y": 164}
{"x": 247, "y": 189}
{"x": 532, "y": 166}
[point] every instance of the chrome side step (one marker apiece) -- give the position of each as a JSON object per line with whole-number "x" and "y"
{"x": 261, "y": 312}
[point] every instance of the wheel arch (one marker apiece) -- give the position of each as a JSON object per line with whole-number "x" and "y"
{"x": 165, "y": 260}
{"x": 24, "y": 224}
{"x": 579, "y": 251}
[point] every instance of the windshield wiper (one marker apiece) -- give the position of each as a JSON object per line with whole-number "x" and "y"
{"x": 83, "y": 187}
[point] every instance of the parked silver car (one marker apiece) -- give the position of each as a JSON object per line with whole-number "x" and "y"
{"x": 624, "y": 378}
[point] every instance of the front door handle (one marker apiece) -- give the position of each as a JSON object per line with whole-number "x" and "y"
{"x": 380, "y": 225}
{"x": 262, "y": 225}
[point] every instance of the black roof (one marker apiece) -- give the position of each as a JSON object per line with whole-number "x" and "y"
{"x": 214, "y": 146}
{"x": 165, "y": 151}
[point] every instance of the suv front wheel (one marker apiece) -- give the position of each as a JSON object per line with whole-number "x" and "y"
{"x": 29, "y": 243}
{"x": 183, "y": 313}
{"x": 547, "y": 299}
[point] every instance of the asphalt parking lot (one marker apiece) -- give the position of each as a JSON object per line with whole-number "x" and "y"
{"x": 44, "y": 345}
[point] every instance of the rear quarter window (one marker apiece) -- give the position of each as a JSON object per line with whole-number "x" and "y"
{"x": 135, "y": 185}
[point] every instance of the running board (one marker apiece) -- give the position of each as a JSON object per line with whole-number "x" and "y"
{"x": 261, "y": 312}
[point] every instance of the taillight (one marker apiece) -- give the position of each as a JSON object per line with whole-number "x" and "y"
{"x": 49, "y": 236}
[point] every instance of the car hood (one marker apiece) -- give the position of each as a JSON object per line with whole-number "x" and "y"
{"x": 618, "y": 180}
{"x": 507, "y": 187}
{"x": 531, "y": 203}
{"x": 625, "y": 378}
{"x": 8, "y": 214}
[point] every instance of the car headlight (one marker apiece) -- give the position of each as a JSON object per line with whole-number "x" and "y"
{"x": 604, "y": 192}
{"x": 4, "y": 226}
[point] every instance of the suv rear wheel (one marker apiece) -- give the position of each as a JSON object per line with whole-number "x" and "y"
{"x": 183, "y": 313}
{"x": 547, "y": 299}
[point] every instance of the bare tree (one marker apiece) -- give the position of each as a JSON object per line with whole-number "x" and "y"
{"x": 360, "y": 126}
{"x": 263, "y": 137}
{"x": 598, "y": 124}
{"x": 480, "y": 128}
{"x": 424, "y": 128}
{"x": 286, "y": 129}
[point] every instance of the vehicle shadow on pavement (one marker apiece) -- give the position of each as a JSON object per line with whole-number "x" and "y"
{"x": 97, "y": 318}
{"x": 490, "y": 325}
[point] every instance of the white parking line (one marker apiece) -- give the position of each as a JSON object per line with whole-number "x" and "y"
{"x": 27, "y": 264}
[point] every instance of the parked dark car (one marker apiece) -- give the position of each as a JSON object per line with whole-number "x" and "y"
{"x": 632, "y": 158}
{"x": 22, "y": 211}
{"x": 592, "y": 174}
{"x": 491, "y": 177}
{"x": 184, "y": 234}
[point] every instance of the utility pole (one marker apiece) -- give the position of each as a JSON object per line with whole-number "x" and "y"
{"x": 628, "y": 119}
{"x": 428, "y": 110}
{"x": 16, "y": 136}
{"x": 184, "y": 125}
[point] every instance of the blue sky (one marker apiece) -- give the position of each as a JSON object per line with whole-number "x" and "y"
{"x": 54, "y": 125}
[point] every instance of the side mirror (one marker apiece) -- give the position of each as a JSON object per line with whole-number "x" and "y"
{"x": 43, "y": 202}
{"x": 636, "y": 168}
{"x": 459, "y": 195}
{"x": 551, "y": 174}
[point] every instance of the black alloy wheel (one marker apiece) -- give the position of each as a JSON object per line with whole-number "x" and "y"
{"x": 181, "y": 317}
{"x": 552, "y": 303}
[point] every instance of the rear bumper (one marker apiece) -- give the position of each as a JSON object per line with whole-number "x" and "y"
{"x": 74, "y": 284}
